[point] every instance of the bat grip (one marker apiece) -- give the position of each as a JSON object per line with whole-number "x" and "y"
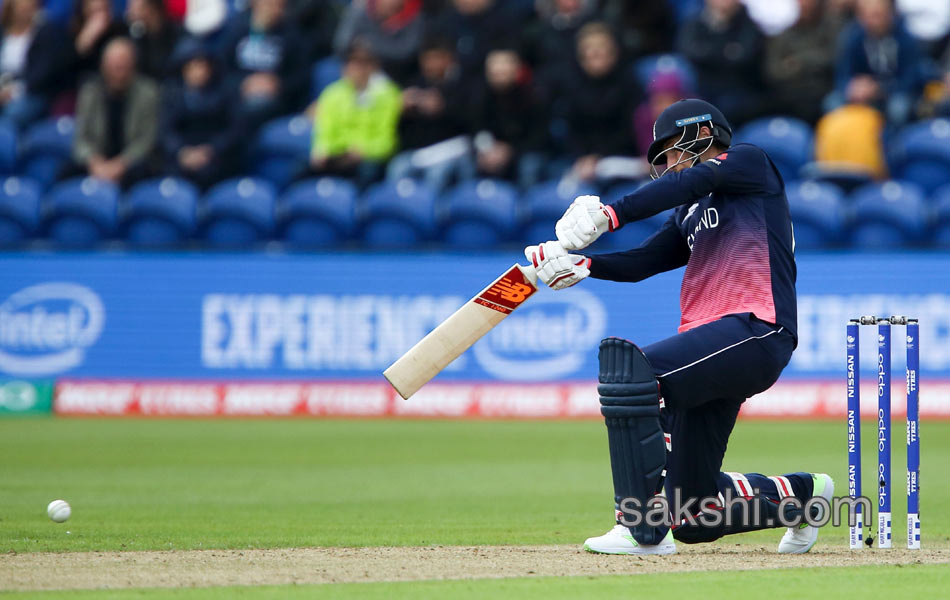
{"x": 530, "y": 273}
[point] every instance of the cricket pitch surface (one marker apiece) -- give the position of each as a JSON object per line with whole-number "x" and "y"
{"x": 203, "y": 568}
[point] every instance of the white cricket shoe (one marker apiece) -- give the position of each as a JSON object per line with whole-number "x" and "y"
{"x": 619, "y": 541}
{"x": 799, "y": 540}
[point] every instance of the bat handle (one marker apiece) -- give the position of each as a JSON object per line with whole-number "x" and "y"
{"x": 530, "y": 273}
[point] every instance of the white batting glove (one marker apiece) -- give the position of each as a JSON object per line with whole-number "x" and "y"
{"x": 555, "y": 267}
{"x": 583, "y": 222}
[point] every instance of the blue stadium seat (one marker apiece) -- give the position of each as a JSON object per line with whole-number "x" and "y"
{"x": 544, "y": 204}
{"x": 818, "y": 214}
{"x": 44, "y": 149}
{"x": 397, "y": 214}
{"x": 325, "y": 72}
{"x": 633, "y": 234}
{"x": 19, "y": 210}
{"x": 238, "y": 213}
{"x": 922, "y": 154}
{"x": 281, "y": 150}
{"x": 160, "y": 213}
{"x": 789, "y": 142}
{"x": 8, "y": 148}
{"x": 888, "y": 215}
{"x": 649, "y": 67}
{"x": 318, "y": 213}
{"x": 846, "y": 181}
{"x": 940, "y": 203}
{"x": 480, "y": 214}
{"x": 81, "y": 212}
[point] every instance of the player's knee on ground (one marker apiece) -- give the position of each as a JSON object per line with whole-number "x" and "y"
{"x": 696, "y": 534}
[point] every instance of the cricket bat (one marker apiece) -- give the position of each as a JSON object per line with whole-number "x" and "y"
{"x": 466, "y": 326}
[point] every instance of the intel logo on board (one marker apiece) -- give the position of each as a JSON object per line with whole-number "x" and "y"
{"x": 548, "y": 337}
{"x": 45, "y": 329}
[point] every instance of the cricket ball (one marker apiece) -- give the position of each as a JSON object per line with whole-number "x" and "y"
{"x": 58, "y": 510}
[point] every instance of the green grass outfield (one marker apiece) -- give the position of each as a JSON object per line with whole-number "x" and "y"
{"x": 188, "y": 484}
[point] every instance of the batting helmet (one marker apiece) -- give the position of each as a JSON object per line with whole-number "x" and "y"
{"x": 682, "y": 120}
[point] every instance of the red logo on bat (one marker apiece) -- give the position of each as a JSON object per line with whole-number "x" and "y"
{"x": 512, "y": 292}
{"x": 508, "y": 292}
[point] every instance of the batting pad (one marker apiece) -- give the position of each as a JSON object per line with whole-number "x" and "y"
{"x": 630, "y": 404}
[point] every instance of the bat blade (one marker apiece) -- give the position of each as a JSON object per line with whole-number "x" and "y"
{"x": 463, "y": 328}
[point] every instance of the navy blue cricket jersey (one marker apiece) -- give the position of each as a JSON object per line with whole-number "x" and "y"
{"x": 732, "y": 230}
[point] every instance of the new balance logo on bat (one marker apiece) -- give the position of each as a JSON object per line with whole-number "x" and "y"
{"x": 507, "y": 293}
{"x": 512, "y": 292}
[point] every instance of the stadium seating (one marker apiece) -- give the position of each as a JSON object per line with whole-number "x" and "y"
{"x": 922, "y": 154}
{"x": 544, "y": 204}
{"x": 846, "y": 181}
{"x": 81, "y": 212}
{"x": 941, "y": 217}
{"x": 160, "y": 213}
{"x": 325, "y": 72}
{"x": 397, "y": 214}
{"x": 888, "y": 216}
{"x": 8, "y": 142}
{"x": 19, "y": 210}
{"x": 789, "y": 142}
{"x": 317, "y": 213}
{"x": 818, "y": 214}
{"x": 649, "y": 67}
{"x": 45, "y": 148}
{"x": 238, "y": 213}
{"x": 479, "y": 214}
{"x": 281, "y": 150}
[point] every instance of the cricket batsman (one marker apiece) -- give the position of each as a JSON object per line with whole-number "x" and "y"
{"x": 670, "y": 407}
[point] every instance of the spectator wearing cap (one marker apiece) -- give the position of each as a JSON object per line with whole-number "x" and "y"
{"x": 878, "y": 63}
{"x": 726, "y": 47}
{"x": 799, "y": 62}
{"x": 116, "y": 120}
{"x": 30, "y": 62}
{"x": 392, "y": 28}
{"x": 154, "y": 35}
{"x": 510, "y": 123}
{"x": 262, "y": 53}
{"x": 200, "y": 127}
{"x": 435, "y": 120}
{"x": 356, "y": 120}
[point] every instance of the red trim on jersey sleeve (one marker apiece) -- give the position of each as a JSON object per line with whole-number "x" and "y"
{"x": 612, "y": 221}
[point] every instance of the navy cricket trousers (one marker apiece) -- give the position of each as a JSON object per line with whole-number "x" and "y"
{"x": 705, "y": 375}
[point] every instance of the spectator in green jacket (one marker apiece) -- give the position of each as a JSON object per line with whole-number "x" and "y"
{"x": 356, "y": 120}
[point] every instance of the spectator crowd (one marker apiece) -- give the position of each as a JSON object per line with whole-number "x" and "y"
{"x": 449, "y": 90}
